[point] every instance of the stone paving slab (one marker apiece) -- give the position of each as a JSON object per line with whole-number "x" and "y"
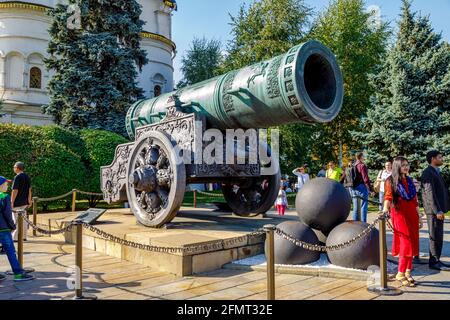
{"x": 112, "y": 278}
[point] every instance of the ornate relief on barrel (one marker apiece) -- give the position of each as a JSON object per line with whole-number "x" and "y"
{"x": 227, "y": 86}
{"x": 273, "y": 87}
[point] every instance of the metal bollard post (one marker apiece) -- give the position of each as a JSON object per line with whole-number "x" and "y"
{"x": 383, "y": 289}
{"x": 358, "y": 207}
{"x": 50, "y": 227}
{"x": 74, "y": 200}
{"x": 195, "y": 198}
{"x": 35, "y": 208}
{"x": 270, "y": 258}
{"x": 20, "y": 238}
{"x": 79, "y": 295}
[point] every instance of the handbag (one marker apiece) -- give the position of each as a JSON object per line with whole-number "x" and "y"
{"x": 377, "y": 185}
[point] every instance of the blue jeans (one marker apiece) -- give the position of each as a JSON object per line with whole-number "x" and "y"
{"x": 360, "y": 191}
{"x": 381, "y": 199}
{"x": 8, "y": 244}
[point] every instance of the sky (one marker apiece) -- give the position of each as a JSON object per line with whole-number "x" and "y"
{"x": 211, "y": 18}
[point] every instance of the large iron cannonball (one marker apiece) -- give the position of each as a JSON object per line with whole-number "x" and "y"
{"x": 323, "y": 204}
{"x": 288, "y": 253}
{"x": 363, "y": 253}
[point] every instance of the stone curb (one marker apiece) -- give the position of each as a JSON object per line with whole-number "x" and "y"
{"x": 305, "y": 271}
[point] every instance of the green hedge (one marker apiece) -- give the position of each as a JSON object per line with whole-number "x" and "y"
{"x": 57, "y": 159}
{"x": 100, "y": 147}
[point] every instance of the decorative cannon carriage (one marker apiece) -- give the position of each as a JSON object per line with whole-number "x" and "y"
{"x": 302, "y": 86}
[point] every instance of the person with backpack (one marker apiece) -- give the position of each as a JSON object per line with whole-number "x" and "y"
{"x": 382, "y": 176}
{"x": 361, "y": 187}
{"x": 347, "y": 180}
{"x": 6, "y": 226}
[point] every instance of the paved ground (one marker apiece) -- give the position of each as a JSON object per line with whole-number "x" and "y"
{"x": 111, "y": 278}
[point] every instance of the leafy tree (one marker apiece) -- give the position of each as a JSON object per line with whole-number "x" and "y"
{"x": 359, "y": 48}
{"x": 265, "y": 29}
{"x": 410, "y": 109}
{"x": 94, "y": 63}
{"x": 261, "y": 31}
{"x": 201, "y": 61}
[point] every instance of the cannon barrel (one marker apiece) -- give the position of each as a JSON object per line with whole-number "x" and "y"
{"x": 303, "y": 85}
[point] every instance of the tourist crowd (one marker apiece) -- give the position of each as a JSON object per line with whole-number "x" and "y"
{"x": 398, "y": 195}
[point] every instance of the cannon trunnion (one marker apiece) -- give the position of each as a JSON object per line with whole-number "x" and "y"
{"x": 173, "y": 132}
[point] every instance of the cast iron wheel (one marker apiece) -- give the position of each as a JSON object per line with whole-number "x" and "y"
{"x": 255, "y": 195}
{"x": 156, "y": 180}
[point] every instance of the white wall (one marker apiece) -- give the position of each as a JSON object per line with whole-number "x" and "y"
{"x": 23, "y": 45}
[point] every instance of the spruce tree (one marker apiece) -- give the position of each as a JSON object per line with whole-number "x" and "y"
{"x": 95, "y": 63}
{"x": 410, "y": 109}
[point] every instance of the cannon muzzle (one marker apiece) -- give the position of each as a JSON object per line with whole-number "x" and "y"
{"x": 303, "y": 85}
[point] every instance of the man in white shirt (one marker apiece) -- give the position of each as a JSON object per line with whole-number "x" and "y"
{"x": 302, "y": 177}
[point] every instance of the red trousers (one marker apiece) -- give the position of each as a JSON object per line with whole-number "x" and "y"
{"x": 404, "y": 263}
{"x": 281, "y": 209}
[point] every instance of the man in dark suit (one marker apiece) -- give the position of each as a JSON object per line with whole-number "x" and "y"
{"x": 436, "y": 202}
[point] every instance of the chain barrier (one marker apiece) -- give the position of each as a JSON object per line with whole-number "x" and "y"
{"x": 68, "y": 194}
{"x": 319, "y": 248}
{"x": 41, "y": 230}
{"x": 54, "y": 198}
{"x": 207, "y": 247}
{"x": 147, "y": 247}
{"x": 183, "y": 250}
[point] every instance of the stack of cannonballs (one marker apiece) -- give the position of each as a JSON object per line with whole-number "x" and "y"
{"x": 323, "y": 206}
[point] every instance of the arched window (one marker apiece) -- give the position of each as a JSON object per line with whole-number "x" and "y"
{"x": 157, "y": 90}
{"x": 35, "y": 78}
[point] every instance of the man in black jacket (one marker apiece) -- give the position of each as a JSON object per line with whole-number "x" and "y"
{"x": 436, "y": 202}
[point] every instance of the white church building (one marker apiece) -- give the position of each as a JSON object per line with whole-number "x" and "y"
{"x": 23, "y": 45}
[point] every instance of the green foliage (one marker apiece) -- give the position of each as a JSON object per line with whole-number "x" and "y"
{"x": 201, "y": 61}
{"x": 261, "y": 31}
{"x": 410, "y": 109}
{"x": 54, "y": 169}
{"x": 265, "y": 29}
{"x": 268, "y": 28}
{"x": 100, "y": 147}
{"x": 359, "y": 49}
{"x": 57, "y": 159}
{"x": 94, "y": 67}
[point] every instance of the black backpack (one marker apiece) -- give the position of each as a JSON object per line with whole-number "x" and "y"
{"x": 356, "y": 177}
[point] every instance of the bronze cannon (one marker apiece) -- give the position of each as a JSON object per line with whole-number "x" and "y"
{"x": 303, "y": 85}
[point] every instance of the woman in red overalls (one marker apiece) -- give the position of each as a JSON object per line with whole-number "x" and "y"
{"x": 401, "y": 198}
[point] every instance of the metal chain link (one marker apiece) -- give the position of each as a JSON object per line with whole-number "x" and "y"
{"x": 41, "y": 230}
{"x": 183, "y": 250}
{"x": 319, "y": 248}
